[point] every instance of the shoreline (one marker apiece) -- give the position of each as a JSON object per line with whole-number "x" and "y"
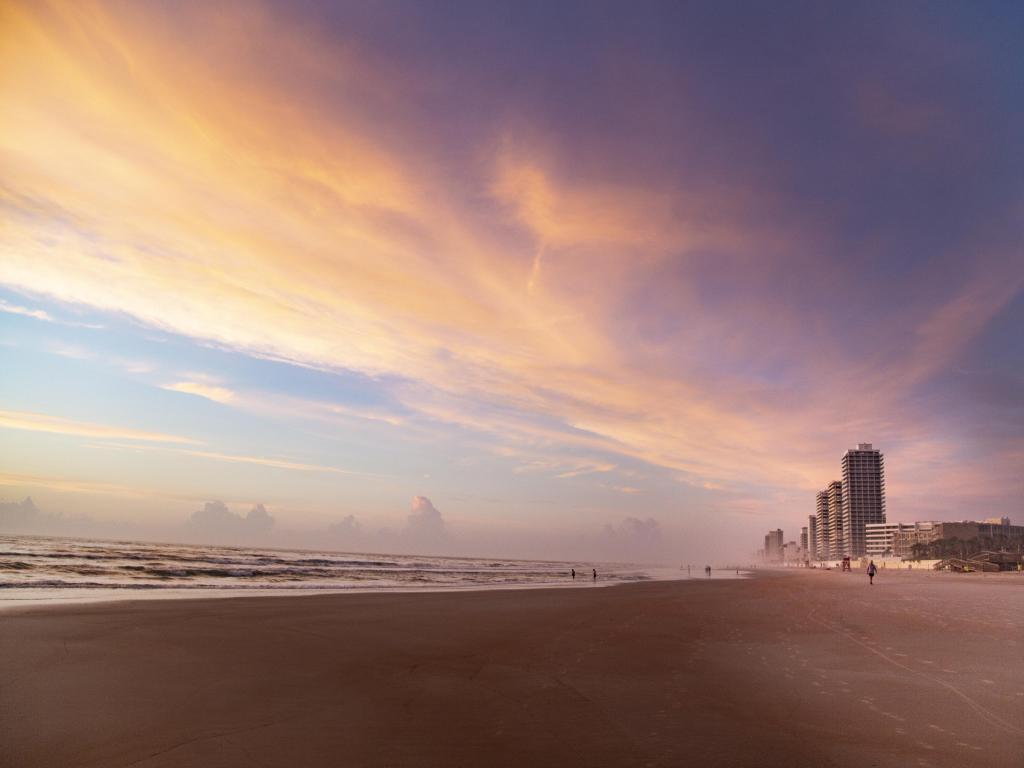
{"x": 143, "y": 594}
{"x": 160, "y": 594}
{"x": 784, "y": 668}
{"x": 156, "y": 594}
{"x": 43, "y": 571}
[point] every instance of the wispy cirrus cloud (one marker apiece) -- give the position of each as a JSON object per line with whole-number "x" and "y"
{"x": 231, "y": 458}
{"x": 266, "y": 462}
{"x": 550, "y": 301}
{"x": 40, "y": 314}
{"x": 202, "y": 389}
{"x": 40, "y": 422}
{"x": 14, "y": 309}
{"x": 66, "y": 483}
{"x": 71, "y": 351}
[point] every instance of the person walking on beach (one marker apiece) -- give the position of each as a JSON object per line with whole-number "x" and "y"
{"x": 574, "y": 574}
{"x": 595, "y": 574}
{"x": 872, "y": 570}
{"x": 707, "y": 570}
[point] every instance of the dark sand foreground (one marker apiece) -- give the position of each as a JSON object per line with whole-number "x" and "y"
{"x": 789, "y": 668}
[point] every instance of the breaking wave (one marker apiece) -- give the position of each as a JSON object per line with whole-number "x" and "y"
{"x": 49, "y": 568}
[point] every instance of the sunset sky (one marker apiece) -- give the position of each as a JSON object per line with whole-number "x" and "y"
{"x": 550, "y": 266}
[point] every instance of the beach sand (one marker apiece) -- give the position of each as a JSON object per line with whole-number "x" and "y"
{"x": 787, "y": 668}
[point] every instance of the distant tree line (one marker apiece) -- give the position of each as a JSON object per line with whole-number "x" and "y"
{"x": 965, "y": 548}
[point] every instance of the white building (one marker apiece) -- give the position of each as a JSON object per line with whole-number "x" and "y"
{"x": 880, "y": 538}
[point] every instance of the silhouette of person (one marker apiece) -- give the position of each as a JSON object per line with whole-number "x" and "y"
{"x": 574, "y": 574}
{"x": 707, "y": 570}
{"x": 872, "y": 570}
{"x": 595, "y": 574}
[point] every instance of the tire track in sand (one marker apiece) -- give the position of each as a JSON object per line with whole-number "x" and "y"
{"x": 986, "y": 714}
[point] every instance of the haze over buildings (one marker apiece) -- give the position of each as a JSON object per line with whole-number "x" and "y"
{"x": 844, "y": 508}
{"x": 849, "y": 521}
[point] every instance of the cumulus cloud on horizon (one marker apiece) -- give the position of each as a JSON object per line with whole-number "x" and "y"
{"x": 348, "y": 528}
{"x": 425, "y": 523}
{"x": 425, "y": 532}
{"x": 215, "y": 522}
{"x": 26, "y": 517}
{"x": 18, "y": 515}
{"x": 634, "y": 539}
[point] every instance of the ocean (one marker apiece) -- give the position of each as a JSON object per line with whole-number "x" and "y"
{"x": 46, "y": 569}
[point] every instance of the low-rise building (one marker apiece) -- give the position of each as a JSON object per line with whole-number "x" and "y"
{"x": 915, "y": 533}
{"x": 999, "y": 530}
{"x": 880, "y": 538}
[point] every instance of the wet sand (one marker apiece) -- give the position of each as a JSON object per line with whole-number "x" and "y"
{"x": 788, "y": 668}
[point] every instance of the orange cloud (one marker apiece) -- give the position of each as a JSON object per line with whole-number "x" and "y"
{"x": 39, "y": 422}
{"x": 202, "y": 389}
{"x": 266, "y": 462}
{"x": 204, "y": 191}
{"x": 65, "y": 484}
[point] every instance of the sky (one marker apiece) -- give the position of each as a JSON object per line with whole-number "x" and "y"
{"x": 529, "y": 278}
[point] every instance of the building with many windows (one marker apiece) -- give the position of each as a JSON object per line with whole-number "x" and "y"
{"x": 863, "y": 501}
{"x": 913, "y": 533}
{"x": 812, "y": 538}
{"x": 880, "y": 538}
{"x": 998, "y": 531}
{"x": 838, "y": 542}
{"x": 822, "y": 541}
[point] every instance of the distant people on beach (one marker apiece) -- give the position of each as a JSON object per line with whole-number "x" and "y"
{"x": 574, "y": 574}
{"x": 707, "y": 570}
{"x": 872, "y": 570}
{"x": 595, "y": 574}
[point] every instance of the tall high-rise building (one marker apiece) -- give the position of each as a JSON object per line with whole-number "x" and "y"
{"x": 773, "y": 545}
{"x": 822, "y": 549}
{"x": 803, "y": 539}
{"x": 863, "y": 495}
{"x": 838, "y": 543}
{"x": 812, "y": 538}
